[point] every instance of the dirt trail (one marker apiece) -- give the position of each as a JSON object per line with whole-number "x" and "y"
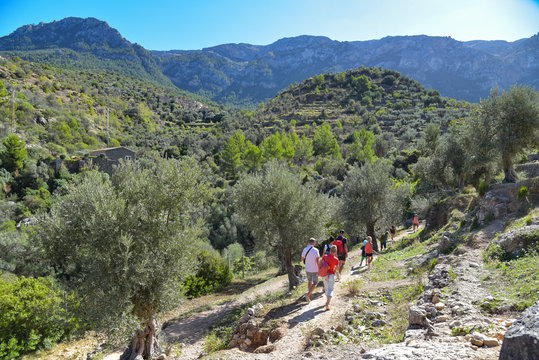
{"x": 190, "y": 331}
{"x": 300, "y": 317}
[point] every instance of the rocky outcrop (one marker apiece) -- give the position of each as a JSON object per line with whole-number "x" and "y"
{"x": 518, "y": 240}
{"x": 249, "y": 335}
{"x": 521, "y": 340}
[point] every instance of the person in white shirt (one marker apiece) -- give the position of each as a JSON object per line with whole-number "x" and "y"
{"x": 311, "y": 257}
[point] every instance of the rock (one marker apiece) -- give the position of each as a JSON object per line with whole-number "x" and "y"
{"x": 435, "y": 299}
{"x": 517, "y": 240}
{"x": 477, "y": 339}
{"x": 522, "y": 338}
{"x": 491, "y": 342}
{"x": 161, "y": 357}
{"x": 260, "y": 337}
{"x": 418, "y": 316}
{"x": 442, "y": 318}
{"x": 318, "y": 331}
{"x": 454, "y": 323}
{"x": 247, "y": 342}
{"x": 445, "y": 244}
{"x": 276, "y": 334}
{"x": 378, "y": 323}
{"x": 439, "y": 306}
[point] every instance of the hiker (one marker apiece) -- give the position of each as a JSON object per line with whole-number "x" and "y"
{"x": 328, "y": 246}
{"x": 363, "y": 255}
{"x": 342, "y": 252}
{"x": 311, "y": 257}
{"x": 383, "y": 240}
{"x": 329, "y": 279}
{"x": 415, "y": 223}
{"x": 393, "y": 231}
{"x": 369, "y": 252}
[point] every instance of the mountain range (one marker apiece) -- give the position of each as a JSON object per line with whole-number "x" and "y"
{"x": 246, "y": 74}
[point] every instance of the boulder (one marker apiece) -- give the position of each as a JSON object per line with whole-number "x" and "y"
{"x": 265, "y": 349}
{"x": 260, "y": 337}
{"x": 519, "y": 239}
{"x": 418, "y": 316}
{"x": 276, "y": 334}
{"x": 521, "y": 340}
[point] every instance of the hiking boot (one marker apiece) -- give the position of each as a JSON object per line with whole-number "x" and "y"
{"x": 327, "y": 307}
{"x": 307, "y": 298}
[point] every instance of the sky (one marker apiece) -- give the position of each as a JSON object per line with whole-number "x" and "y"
{"x": 196, "y": 24}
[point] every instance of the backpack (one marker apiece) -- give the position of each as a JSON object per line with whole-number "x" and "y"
{"x": 323, "y": 269}
{"x": 340, "y": 247}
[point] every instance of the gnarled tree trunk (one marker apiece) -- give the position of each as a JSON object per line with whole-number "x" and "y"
{"x": 144, "y": 342}
{"x": 293, "y": 280}
{"x": 508, "y": 169}
{"x": 370, "y": 232}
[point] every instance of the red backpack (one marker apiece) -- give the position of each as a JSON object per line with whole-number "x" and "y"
{"x": 340, "y": 248}
{"x": 323, "y": 269}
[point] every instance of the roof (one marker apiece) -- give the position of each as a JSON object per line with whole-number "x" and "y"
{"x": 110, "y": 148}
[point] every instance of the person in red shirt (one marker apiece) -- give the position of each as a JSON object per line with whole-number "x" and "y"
{"x": 369, "y": 251}
{"x": 329, "y": 279}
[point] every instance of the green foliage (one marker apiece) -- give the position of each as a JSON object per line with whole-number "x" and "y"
{"x": 212, "y": 274}
{"x": 369, "y": 197}
{"x": 132, "y": 239}
{"x": 514, "y": 114}
{"x": 34, "y": 314}
{"x": 14, "y": 154}
{"x": 274, "y": 204}
{"x": 494, "y": 252}
{"x": 516, "y": 280}
{"x": 361, "y": 150}
{"x": 482, "y": 188}
{"x": 324, "y": 142}
{"x": 218, "y": 338}
{"x": 243, "y": 264}
{"x": 522, "y": 193}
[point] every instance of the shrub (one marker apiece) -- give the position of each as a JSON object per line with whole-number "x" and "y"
{"x": 496, "y": 253}
{"x": 522, "y": 193}
{"x": 34, "y": 314}
{"x": 212, "y": 274}
{"x": 482, "y": 188}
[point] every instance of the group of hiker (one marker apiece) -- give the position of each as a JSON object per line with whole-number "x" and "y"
{"x": 330, "y": 265}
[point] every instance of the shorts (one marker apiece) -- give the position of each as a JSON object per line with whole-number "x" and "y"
{"x": 369, "y": 255}
{"x": 329, "y": 284}
{"x": 364, "y": 257}
{"x": 312, "y": 277}
{"x": 342, "y": 257}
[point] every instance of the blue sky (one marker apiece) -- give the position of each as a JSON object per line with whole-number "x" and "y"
{"x": 195, "y": 24}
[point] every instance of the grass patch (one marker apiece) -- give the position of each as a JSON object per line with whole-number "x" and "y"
{"x": 397, "y": 310}
{"x": 516, "y": 280}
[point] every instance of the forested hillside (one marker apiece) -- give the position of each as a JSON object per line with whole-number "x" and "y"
{"x": 216, "y": 192}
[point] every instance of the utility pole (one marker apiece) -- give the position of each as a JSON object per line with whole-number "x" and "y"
{"x": 108, "y": 127}
{"x": 12, "y": 111}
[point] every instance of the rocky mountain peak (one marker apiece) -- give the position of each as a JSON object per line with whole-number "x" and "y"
{"x": 72, "y": 32}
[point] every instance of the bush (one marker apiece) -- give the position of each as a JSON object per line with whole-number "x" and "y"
{"x": 482, "y": 188}
{"x": 212, "y": 274}
{"x": 522, "y": 193}
{"x": 494, "y": 252}
{"x": 34, "y": 314}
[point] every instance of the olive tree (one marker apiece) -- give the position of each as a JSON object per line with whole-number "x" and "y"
{"x": 281, "y": 212}
{"x": 369, "y": 197}
{"x": 125, "y": 244}
{"x": 514, "y": 114}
